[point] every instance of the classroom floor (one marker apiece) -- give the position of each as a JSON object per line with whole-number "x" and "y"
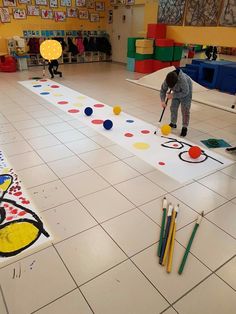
{"x": 103, "y": 207}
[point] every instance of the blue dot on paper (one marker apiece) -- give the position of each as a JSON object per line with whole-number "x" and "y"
{"x": 130, "y": 121}
{"x": 37, "y": 85}
{"x": 44, "y": 93}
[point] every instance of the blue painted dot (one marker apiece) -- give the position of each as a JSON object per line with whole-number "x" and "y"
{"x": 37, "y": 85}
{"x": 44, "y": 93}
{"x": 130, "y": 121}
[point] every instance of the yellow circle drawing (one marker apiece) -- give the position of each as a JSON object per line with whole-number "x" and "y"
{"x": 17, "y": 236}
{"x": 50, "y": 49}
{"x": 57, "y": 95}
{"x": 77, "y": 105}
{"x": 141, "y": 145}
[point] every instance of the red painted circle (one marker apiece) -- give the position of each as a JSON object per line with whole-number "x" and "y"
{"x": 22, "y": 213}
{"x": 161, "y": 163}
{"x": 97, "y": 121}
{"x": 42, "y": 80}
{"x": 62, "y": 102}
{"x": 129, "y": 134}
{"x": 73, "y": 111}
{"x": 55, "y": 86}
{"x": 145, "y": 131}
{"x": 10, "y": 218}
{"x": 175, "y": 145}
{"x": 98, "y": 105}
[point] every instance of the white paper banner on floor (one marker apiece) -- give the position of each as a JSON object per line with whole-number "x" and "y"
{"x": 167, "y": 154}
{"x": 21, "y": 228}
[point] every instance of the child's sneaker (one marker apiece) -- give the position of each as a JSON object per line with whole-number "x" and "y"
{"x": 184, "y": 131}
{"x": 172, "y": 125}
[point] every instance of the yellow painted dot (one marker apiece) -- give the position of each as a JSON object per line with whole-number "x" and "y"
{"x": 77, "y": 105}
{"x": 141, "y": 145}
{"x": 81, "y": 97}
{"x": 47, "y": 89}
{"x": 57, "y": 95}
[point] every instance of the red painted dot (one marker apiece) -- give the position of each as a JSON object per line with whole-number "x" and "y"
{"x": 17, "y": 193}
{"x": 25, "y": 202}
{"x": 145, "y": 131}
{"x": 62, "y": 102}
{"x": 129, "y": 134}
{"x": 73, "y": 111}
{"x": 42, "y": 80}
{"x": 6, "y": 205}
{"x": 97, "y": 121}
{"x": 10, "y": 218}
{"x": 14, "y": 211}
{"x": 22, "y": 213}
{"x": 161, "y": 163}
{"x": 55, "y": 86}
{"x": 175, "y": 145}
{"x": 98, "y": 105}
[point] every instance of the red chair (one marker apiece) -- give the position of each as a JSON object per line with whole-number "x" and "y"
{"x": 8, "y": 64}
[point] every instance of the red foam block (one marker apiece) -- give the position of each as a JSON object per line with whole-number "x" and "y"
{"x": 175, "y": 63}
{"x": 164, "y": 42}
{"x": 158, "y": 65}
{"x": 144, "y": 66}
{"x": 156, "y": 31}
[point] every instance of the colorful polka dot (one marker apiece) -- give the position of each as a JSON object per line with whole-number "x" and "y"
{"x": 44, "y": 93}
{"x": 99, "y": 105}
{"x": 37, "y": 86}
{"x": 62, "y": 102}
{"x": 73, "y": 111}
{"x": 57, "y": 95}
{"x": 97, "y": 121}
{"x": 47, "y": 89}
{"x": 145, "y": 132}
{"x": 161, "y": 163}
{"x": 55, "y": 86}
{"x": 175, "y": 145}
{"x": 141, "y": 145}
{"x": 43, "y": 80}
{"x": 77, "y": 105}
{"x": 129, "y": 121}
{"x": 129, "y": 134}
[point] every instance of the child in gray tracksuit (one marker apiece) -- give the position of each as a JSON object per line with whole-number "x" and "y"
{"x": 180, "y": 85}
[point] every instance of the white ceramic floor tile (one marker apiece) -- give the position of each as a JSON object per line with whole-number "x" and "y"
{"x": 59, "y": 127}
{"x": 117, "y": 172}
{"x": 54, "y": 153}
{"x": 10, "y": 137}
{"x": 68, "y": 166}
{"x": 25, "y": 160}
{"x": 154, "y": 210}
{"x": 42, "y": 274}
{"x": 21, "y": 125}
{"x": 211, "y": 296}
{"x": 102, "y": 140}
{"x": 34, "y": 132}
{"x": 20, "y": 117}
{"x": 82, "y": 146}
{"x": 106, "y": 204}
{"x": 88, "y": 131}
{"x": 6, "y": 127}
{"x": 170, "y": 311}
{"x": 123, "y": 289}
{"x": 36, "y": 175}
{"x": 89, "y": 254}
{"x": 69, "y": 136}
{"x": 231, "y": 171}
{"x": 221, "y": 183}
{"x": 211, "y": 245}
{"x": 133, "y": 231}
{"x": 138, "y": 164}
{"x": 71, "y": 303}
{"x": 84, "y": 183}
{"x": 67, "y": 220}
{"x": 119, "y": 151}
{"x": 50, "y": 195}
{"x": 171, "y": 285}
{"x": 225, "y": 217}
{"x": 49, "y": 120}
{"x": 98, "y": 157}
{"x": 228, "y": 273}
{"x": 44, "y": 141}
{"x": 199, "y": 197}
{"x": 16, "y": 148}
{"x": 167, "y": 183}
{"x": 139, "y": 190}
{"x": 2, "y": 305}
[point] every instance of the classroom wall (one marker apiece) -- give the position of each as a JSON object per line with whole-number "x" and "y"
{"x": 16, "y": 27}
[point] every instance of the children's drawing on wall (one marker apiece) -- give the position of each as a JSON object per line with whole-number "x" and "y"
{"x": 53, "y": 3}
{"x": 24, "y": 1}
{"x": 60, "y": 16}
{"x": 83, "y": 14}
{"x": 9, "y": 3}
{"x": 171, "y": 12}
{"x": 41, "y": 2}
{"x": 202, "y": 13}
{"x": 33, "y": 10}
{"x": 19, "y": 14}
{"x": 90, "y": 4}
{"x": 5, "y": 15}
{"x": 228, "y": 14}
{"x": 110, "y": 16}
{"x": 94, "y": 17}
{"x": 20, "y": 226}
{"x": 80, "y": 3}
{"x": 99, "y": 6}
{"x": 66, "y": 3}
{"x": 71, "y": 12}
{"x": 47, "y": 14}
